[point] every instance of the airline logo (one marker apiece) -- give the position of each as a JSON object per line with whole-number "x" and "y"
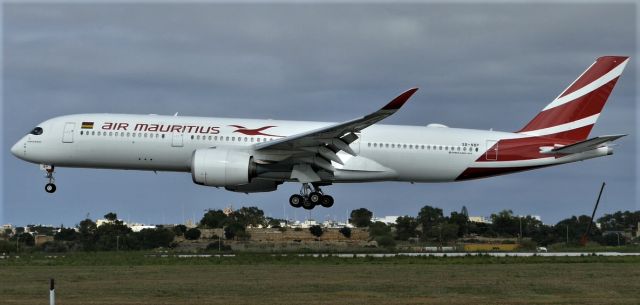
{"x": 87, "y": 125}
{"x": 574, "y": 112}
{"x": 254, "y": 132}
{"x": 117, "y": 126}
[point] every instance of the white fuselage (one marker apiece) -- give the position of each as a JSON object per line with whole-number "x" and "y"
{"x": 167, "y": 143}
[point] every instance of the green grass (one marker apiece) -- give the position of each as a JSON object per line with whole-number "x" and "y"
{"x": 132, "y": 278}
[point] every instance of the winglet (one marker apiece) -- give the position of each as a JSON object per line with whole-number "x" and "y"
{"x": 400, "y": 100}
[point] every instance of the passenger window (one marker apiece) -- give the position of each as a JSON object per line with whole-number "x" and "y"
{"x": 227, "y": 139}
{"x": 209, "y": 138}
{"x": 93, "y": 133}
{"x": 163, "y": 135}
{"x": 99, "y": 133}
{"x": 80, "y": 132}
{"x": 404, "y": 146}
{"x": 128, "y": 134}
{"x": 198, "y": 137}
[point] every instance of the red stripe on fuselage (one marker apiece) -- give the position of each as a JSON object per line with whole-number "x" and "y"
{"x": 602, "y": 66}
{"x": 522, "y": 148}
{"x": 483, "y": 172}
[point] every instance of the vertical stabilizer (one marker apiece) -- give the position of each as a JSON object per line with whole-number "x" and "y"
{"x": 573, "y": 113}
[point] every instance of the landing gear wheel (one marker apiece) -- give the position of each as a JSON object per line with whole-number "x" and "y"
{"x": 315, "y": 197}
{"x": 296, "y": 201}
{"x": 308, "y": 205}
{"x": 326, "y": 201}
{"x": 50, "y": 188}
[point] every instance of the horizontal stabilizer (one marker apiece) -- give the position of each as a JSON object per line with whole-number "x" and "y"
{"x": 586, "y": 145}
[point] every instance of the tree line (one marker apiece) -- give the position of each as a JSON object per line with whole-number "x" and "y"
{"x": 430, "y": 225}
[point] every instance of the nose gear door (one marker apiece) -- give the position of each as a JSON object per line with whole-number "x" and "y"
{"x": 67, "y": 134}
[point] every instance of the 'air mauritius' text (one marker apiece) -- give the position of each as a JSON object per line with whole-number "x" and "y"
{"x": 162, "y": 128}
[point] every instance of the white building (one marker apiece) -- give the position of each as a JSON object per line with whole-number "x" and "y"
{"x": 137, "y": 227}
{"x": 480, "y": 219}
{"x": 388, "y": 220}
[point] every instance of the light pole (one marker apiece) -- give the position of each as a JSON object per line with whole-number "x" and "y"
{"x": 520, "y": 218}
{"x": 567, "y": 234}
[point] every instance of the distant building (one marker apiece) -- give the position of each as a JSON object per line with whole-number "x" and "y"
{"x": 389, "y": 220}
{"x": 137, "y": 227}
{"x": 480, "y": 219}
{"x": 41, "y": 239}
{"x": 8, "y": 228}
{"x": 536, "y": 217}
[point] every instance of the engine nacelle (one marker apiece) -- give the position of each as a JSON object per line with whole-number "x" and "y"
{"x": 221, "y": 167}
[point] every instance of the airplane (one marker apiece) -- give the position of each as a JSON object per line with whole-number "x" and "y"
{"x": 250, "y": 155}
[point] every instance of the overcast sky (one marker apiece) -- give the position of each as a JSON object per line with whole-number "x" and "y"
{"x": 478, "y": 66}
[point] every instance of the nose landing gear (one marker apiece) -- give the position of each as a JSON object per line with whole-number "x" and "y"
{"x": 310, "y": 196}
{"x": 49, "y": 187}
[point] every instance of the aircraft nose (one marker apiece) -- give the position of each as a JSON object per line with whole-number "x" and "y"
{"x": 17, "y": 149}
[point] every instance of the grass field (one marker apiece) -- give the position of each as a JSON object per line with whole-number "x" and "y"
{"x": 109, "y": 278}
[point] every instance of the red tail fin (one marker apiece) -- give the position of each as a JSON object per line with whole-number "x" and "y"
{"x": 574, "y": 112}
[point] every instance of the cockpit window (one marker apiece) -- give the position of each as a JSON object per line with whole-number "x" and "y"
{"x": 36, "y": 131}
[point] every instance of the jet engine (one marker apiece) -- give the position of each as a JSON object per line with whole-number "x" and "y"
{"x": 221, "y": 167}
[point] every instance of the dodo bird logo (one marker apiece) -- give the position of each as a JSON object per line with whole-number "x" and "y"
{"x": 255, "y": 132}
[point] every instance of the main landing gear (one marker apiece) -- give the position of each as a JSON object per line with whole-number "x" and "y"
{"x": 310, "y": 196}
{"x": 49, "y": 187}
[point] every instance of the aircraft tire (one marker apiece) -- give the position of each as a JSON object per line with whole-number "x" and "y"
{"x": 296, "y": 200}
{"x": 308, "y": 205}
{"x": 326, "y": 201}
{"x": 315, "y": 197}
{"x": 50, "y": 188}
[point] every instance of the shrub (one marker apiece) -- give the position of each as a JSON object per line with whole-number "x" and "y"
{"x": 192, "y": 234}
{"x": 386, "y": 241}
{"x": 215, "y": 246}
{"x": 316, "y": 230}
{"x": 345, "y": 231}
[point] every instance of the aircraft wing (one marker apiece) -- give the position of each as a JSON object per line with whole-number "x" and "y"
{"x": 340, "y": 134}
{"x": 308, "y": 152}
{"x": 586, "y": 145}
